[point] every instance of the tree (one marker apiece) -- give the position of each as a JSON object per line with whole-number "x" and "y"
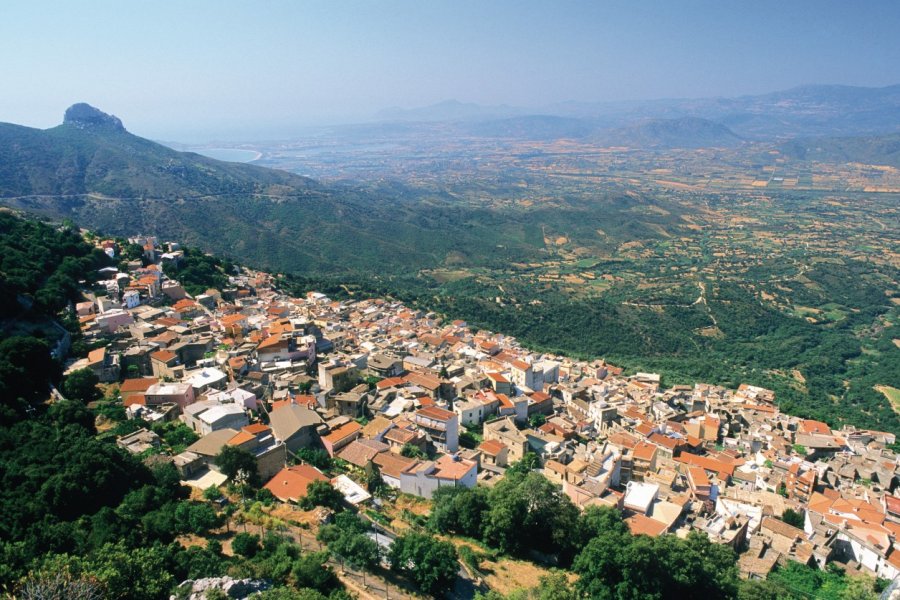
{"x": 312, "y": 571}
{"x": 59, "y": 585}
{"x": 537, "y": 420}
{"x": 26, "y": 371}
{"x": 618, "y": 565}
{"x": 431, "y": 563}
{"x": 245, "y": 544}
{"x": 374, "y": 482}
{"x": 239, "y": 465}
{"x": 357, "y": 549}
{"x": 410, "y": 451}
{"x": 322, "y": 493}
{"x": 212, "y": 493}
{"x": 459, "y": 510}
{"x": 316, "y": 457}
{"x": 792, "y": 517}
{"x": 81, "y": 386}
{"x": 528, "y": 512}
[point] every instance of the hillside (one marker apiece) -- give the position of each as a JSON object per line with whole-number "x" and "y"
{"x": 872, "y": 150}
{"x": 686, "y": 132}
{"x": 97, "y": 174}
{"x": 92, "y": 153}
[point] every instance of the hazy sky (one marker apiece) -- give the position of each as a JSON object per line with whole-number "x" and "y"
{"x": 190, "y": 69}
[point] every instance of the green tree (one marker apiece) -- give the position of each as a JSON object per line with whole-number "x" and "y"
{"x": 432, "y": 564}
{"x": 322, "y": 493}
{"x": 410, "y": 451}
{"x": 81, "y": 386}
{"x": 312, "y": 571}
{"x": 238, "y": 465}
{"x": 245, "y": 544}
{"x": 792, "y": 517}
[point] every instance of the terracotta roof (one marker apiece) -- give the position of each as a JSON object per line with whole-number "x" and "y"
{"x": 449, "y": 467}
{"x": 241, "y": 438}
{"x": 135, "y": 399}
{"x": 358, "y": 453}
{"x": 141, "y": 384}
{"x": 641, "y": 525}
{"x": 497, "y": 377}
{"x": 438, "y": 414}
{"x": 492, "y": 447}
{"x": 644, "y": 451}
{"x": 163, "y": 355}
{"x": 290, "y": 483}
{"x": 710, "y": 464}
{"x": 256, "y": 428}
{"x": 393, "y": 464}
{"x": 343, "y": 432}
{"x": 271, "y": 342}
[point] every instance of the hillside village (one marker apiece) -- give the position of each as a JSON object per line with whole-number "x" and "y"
{"x": 429, "y": 403}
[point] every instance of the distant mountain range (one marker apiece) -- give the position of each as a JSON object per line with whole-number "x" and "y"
{"x": 812, "y": 110}
{"x": 90, "y": 169}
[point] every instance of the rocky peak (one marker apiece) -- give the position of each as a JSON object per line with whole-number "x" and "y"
{"x": 85, "y": 116}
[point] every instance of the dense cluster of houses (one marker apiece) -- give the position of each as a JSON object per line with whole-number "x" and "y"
{"x": 431, "y": 403}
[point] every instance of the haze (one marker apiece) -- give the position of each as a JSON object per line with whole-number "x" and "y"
{"x": 238, "y": 70}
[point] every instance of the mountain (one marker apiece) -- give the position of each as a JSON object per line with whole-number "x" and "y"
{"x": 685, "y": 132}
{"x": 803, "y": 111}
{"x": 449, "y": 110}
{"x": 92, "y": 153}
{"x": 92, "y": 171}
{"x": 872, "y": 150}
{"x": 531, "y": 127}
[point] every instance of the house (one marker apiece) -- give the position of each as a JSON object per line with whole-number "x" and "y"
{"x": 470, "y": 412}
{"x": 237, "y": 396}
{"x": 353, "y": 493}
{"x": 104, "y": 364}
{"x": 499, "y": 383}
{"x": 392, "y": 467}
{"x": 206, "y": 379}
{"x": 337, "y": 377}
{"x": 206, "y": 417}
{"x": 381, "y": 365}
{"x": 290, "y": 484}
{"x": 140, "y": 441}
{"x": 521, "y": 374}
{"x": 643, "y": 460}
{"x": 341, "y": 436}
{"x": 295, "y": 426}
{"x": 360, "y": 452}
{"x": 181, "y": 394}
{"x": 353, "y": 404}
{"x": 132, "y": 388}
{"x": 440, "y": 426}
{"x": 112, "y": 320}
{"x": 257, "y": 439}
{"x": 423, "y": 479}
{"x": 284, "y": 347}
{"x": 494, "y": 452}
{"x": 163, "y": 363}
{"x": 506, "y": 432}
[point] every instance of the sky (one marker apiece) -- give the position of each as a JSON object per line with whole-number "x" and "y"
{"x": 227, "y": 69}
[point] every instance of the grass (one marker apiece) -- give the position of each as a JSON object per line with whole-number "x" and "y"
{"x": 892, "y": 394}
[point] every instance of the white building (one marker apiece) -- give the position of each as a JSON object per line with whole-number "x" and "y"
{"x": 422, "y": 479}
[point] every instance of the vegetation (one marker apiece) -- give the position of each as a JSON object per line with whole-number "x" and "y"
{"x": 322, "y": 493}
{"x": 198, "y": 272}
{"x": 239, "y": 465}
{"x": 431, "y": 563}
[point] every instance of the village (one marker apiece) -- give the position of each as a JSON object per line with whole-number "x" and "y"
{"x": 427, "y": 403}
